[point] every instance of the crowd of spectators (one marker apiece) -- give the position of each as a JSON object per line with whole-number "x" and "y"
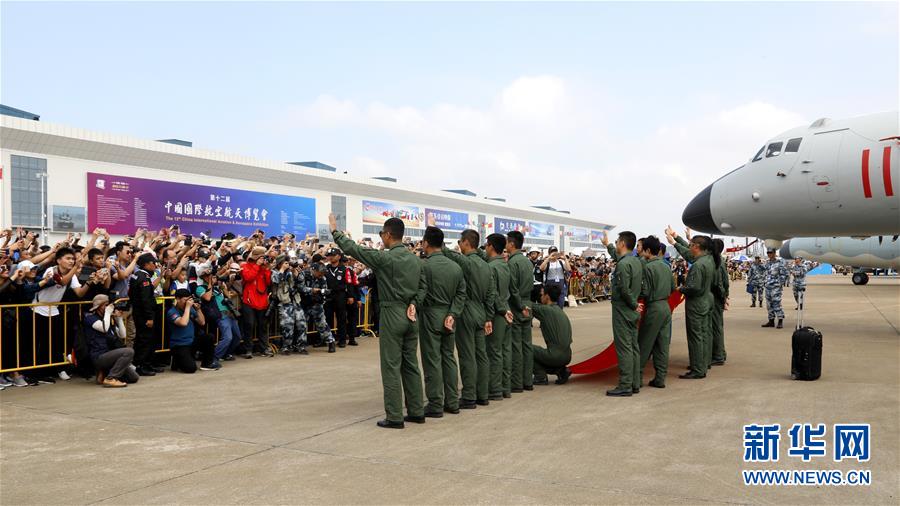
{"x": 204, "y": 299}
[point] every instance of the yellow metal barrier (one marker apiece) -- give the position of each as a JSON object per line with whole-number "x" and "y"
{"x": 11, "y": 321}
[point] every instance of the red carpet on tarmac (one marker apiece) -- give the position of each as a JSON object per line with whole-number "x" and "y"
{"x": 606, "y": 359}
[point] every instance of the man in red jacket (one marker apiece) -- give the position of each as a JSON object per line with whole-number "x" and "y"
{"x": 255, "y": 301}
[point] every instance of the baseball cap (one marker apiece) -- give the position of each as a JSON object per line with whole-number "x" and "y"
{"x": 332, "y": 252}
{"x": 203, "y": 269}
{"x": 25, "y": 264}
{"x": 770, "y": 250}
{"x": 553, "y": 249}
{"x": 146, "y": 258}
{"x": 97, "y": 300}
{"x": 182, "y": 292}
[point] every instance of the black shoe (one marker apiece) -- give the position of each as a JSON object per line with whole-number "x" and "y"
{"x": 285, "y": 351}
{"x": 529, "y": 387}
{"x": 635, "y": 390}
{"x": 464, "y": 404}
{"x": 303, "y": 351}
{"x": 353, "y": 342}
{"x": 517, "y": 390}
{"x": 228, "y": 358}
{"x": 436, "y": 414}
{"x": 452, "y": 411}
{"x": 320, "y": 344}
{"x": 495, "y": 397}
{"x": 248, "y": 355}
{"x": 414, "y": 419}
{"x": 542, "y": 381}
{"x": 753, "y": 305}
{"x": 692, "y": 376}
{"x": 507, "y": 395}
{"x": 145, "y": 371}
{"x": 331, "y": 347}
{"x": 387, "y": 424}
{"x": 563, "y": 376}
{"x": 158, "y": 370}
{"x": 482, "y": 402}
{"x": 718, "y": 362}
{"x": 46, "y": 380}
{"x": 342, "y": 344}
{"x": 656, "y": 384}
{"x": 780, "y": 324}
{"x": 770, "y": 323}
{"x": 619, "y": 392}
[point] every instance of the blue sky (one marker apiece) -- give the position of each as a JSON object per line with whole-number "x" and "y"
{"x": 578, "y": 105}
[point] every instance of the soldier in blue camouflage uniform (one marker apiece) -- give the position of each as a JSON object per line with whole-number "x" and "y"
{"x": 798, "y": 272}
{"x": 757, "y": 279}
{"x": 315, "y": 288}
{"x": 287, "y": 286}
{"x": 776, "y": 273}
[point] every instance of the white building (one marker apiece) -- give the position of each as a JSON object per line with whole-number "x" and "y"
{"x": 88, "y": 179}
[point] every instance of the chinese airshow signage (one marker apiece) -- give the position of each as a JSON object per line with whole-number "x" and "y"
{"x": 580, "y": 234}
{"x": 121, "y": 204}
{"x": 504, "y": 225}
{"x": 544, "y": 230}
{"x": 377, "y": 212}
{"x": 448, "y": 220}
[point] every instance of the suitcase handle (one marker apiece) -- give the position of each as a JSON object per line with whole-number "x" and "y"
{"x": 801, "y": 295}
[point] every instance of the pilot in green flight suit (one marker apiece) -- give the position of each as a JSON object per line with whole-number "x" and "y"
{"x": 656, "y": 325}
{"x": 699, "y": 300}
{"x": 439, "y": 303}
{"x": 557, "y": 331}
{"x": 521, "y": 282}
{"x": 398, "y": 272}
{"x": 626, "y": 287}
{"x": 720, "y": 290}
{"x": 498, "y": 342}
{"x": 475, "y": 322}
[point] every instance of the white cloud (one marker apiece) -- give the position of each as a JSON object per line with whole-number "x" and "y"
{"x": 539, "y": 144}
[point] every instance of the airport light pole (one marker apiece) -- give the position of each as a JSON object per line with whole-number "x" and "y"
{"x": 43, "y": 177}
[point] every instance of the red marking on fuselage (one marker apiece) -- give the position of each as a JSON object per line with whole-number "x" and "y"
{"x": 867, "y": 188}
{"x": 886, "y": 171}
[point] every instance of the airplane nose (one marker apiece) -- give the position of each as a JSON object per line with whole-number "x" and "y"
{"x": 785, "y": 250}
{"x": 698, "y": 216}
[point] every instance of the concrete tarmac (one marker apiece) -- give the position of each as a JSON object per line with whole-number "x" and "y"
{"x": 301, "y": 429}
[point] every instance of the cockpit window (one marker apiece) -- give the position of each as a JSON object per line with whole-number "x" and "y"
{"x": 759, "y": 154}
{"x": 793, "y": 145}
{"x": 774, "y": 149}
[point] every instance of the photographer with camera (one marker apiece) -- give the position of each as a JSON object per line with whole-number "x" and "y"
{"x": 217, "y": 310}
{"x": 287, "y": 283}
{"x": 555, "y": 268}
{"x": 105, "y": 332}
{"x": 184, "y": 338}
{"x": 257, "y": 278}
{"x": 315, "y": 291}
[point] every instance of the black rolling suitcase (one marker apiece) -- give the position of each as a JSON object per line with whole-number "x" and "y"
{"x": 806, "y": 359}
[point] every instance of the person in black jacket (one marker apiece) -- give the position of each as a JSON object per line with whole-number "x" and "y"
{"x": 146, "y": 314}
{"x": 353, "y": 304}
{"x": 336, "y": 303}
{"x": 105, "y": 330}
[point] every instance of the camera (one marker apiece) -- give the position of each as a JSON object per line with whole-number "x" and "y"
{"x": 122, "y": 305}
{"x": 189, "y": 240}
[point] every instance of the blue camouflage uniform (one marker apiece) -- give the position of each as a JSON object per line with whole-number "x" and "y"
{"x": 798, "y": 272}
{"x": 757, "y": 279}
{"x": 287, "y": 290}
{"x": 776, "y": 274}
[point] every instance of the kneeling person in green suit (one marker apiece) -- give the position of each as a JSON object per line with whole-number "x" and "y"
{"x": 557, "y": 332}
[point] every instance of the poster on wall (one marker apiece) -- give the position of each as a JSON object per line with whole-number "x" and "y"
{"x": 504, "y": 225}
{"x": 121, "y": 204}
{"x": 447, "y": 220}
{"x": 580, "y": 234}
{"x": 67, "y": 219}
{"x": 596, "y": 235}
{"x": 377, "y": 212}
{"x": 541, "y": 230}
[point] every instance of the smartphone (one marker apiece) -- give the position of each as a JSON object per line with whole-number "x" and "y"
{"x": 189, "y": 241}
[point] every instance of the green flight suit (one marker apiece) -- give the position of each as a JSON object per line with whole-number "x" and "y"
{"x": 442, "y": 293}
{"x": 398, "y": 273}
{"x": 557, "y": 331}
{"x": 697, "y": 307}
{"x": 707, "y": 351}
{"x": 625, "y": 289}
{"x": 474, "y": 365}
{"x": 521, "y": 282}
{"x": 720, "y": 291}
{"x": 499, "y": 351}
{"x": 656, "y": 325}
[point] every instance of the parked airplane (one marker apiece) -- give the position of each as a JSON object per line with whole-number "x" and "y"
{"x": 873, "y": 252}
{"x": 832, "y": 178}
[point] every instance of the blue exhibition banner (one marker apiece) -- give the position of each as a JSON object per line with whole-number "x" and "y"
{"x": 121, "y": 204}
{"x": 447, "y": 220}
{"x": 504, "y": 225}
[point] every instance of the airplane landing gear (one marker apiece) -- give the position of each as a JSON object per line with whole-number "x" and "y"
{"x": 860, "y": 278}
